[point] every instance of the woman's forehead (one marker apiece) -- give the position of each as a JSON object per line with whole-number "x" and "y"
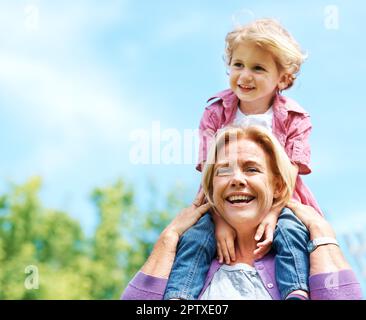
{"x": 241, "y": 150}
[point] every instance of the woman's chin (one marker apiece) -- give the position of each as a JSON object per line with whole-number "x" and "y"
{"x": 242, "y": 209}
{"x": 240, "y": 205}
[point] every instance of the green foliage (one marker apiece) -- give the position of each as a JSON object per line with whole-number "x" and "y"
{"x": 66, "y": 264}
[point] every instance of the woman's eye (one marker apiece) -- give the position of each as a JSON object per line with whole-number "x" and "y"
{"x": 224, "y": 171}
{"x": 259, "y": 68}
{"x": 252, "y": 169}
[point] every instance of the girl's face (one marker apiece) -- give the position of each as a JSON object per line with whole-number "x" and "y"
{"x": 254, "y": 76}
{"x": 243, "y": 184}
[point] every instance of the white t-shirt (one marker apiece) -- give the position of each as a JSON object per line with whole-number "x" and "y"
{"x": 238, "y": 282}
{"x": 246, "y": 120}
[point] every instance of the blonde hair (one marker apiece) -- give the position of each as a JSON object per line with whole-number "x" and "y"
{"x": 280, "y": 164}
{"x": 270, "y": 35}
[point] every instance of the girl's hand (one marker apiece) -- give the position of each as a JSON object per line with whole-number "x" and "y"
{"x": 265, "y": 233}
{"x": 225, "y": 237}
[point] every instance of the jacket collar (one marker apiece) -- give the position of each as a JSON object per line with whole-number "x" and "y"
{"x": 228, "y": 97}
{"x": 281, "y": 104}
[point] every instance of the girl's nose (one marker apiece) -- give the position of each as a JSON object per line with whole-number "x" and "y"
{"x": 246, "y": 75}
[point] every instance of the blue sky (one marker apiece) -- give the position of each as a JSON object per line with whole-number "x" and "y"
{"x": 78, "y": 77}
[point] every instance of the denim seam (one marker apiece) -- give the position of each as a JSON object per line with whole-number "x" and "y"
{"x": 178, "y": 295}
{"x": 187, "y": 284}
{"x": 299, "y": 280}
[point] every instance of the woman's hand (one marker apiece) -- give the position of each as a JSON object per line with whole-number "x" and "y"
{"x": 313, "y": 221}
{"x": 187, "y": 217}
{"x": 160, "y": 261}
{"x": 326, "y": 258}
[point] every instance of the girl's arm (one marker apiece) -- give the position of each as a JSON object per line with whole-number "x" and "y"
{"x": 225, "y": 239}
{"x": 265, "y": 231}
{"x": 297, "y": 144}
{"x": 207, "y": 130}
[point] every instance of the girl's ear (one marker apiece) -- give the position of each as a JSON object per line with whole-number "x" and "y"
{"x": 284, "y": 81}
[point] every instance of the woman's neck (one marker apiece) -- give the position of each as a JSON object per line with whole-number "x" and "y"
{"x": 244, "y": 248}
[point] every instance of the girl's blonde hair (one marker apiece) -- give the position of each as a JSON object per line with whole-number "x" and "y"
{"x": 270, "y": 35}
{"x": 280, "y": 164}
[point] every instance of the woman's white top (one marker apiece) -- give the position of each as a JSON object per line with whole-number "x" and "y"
{"x": 238, "y": 282}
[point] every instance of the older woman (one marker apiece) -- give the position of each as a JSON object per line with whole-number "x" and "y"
{"x": 246, "y": 174}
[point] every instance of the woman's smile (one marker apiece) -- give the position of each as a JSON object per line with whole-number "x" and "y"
{"x": 242, "y": 182}
{"x": 239, "y": 199}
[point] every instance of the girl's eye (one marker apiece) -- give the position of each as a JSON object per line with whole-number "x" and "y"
{"x": 224, "y": 171}
{"x": 238, "y": 65}
{"x": 252, "y": 169}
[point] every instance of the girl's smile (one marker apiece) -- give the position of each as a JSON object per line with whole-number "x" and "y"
{"x": 254, "y": 77}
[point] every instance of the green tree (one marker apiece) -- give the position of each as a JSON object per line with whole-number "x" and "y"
{"x": 70, "y": 265}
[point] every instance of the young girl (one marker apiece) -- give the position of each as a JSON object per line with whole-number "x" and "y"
{"x": 263, "y": 59}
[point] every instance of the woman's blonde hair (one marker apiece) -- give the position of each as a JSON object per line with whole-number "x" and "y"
{"x": 270, "y": 35}
{"x": 280, "y": 164}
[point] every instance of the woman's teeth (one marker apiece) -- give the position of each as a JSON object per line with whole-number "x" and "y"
{"x": 239, "y": 199}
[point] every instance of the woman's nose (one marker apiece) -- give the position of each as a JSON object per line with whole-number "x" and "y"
{"x": 238, "y": 179}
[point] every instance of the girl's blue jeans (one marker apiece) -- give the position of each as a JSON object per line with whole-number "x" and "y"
{"x": 197, "y": 248}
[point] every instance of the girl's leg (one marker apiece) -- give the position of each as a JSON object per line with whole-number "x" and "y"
{"x": 292, "y": 258}
{"x": 195, "y": 252}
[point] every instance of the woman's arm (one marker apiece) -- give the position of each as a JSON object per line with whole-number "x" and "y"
{"x": 331, "y": 277}
{"x": 150, "y": 282}
{"x": 160, "y": 261}
{"x": 325, "y": 258}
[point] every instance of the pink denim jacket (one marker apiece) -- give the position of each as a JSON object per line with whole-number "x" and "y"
{"x": 291, "y": 125}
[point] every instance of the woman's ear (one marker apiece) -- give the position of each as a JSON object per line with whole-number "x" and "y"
{"x": 278, "y": 188}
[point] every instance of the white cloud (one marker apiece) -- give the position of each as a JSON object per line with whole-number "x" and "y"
{"x": 208, "y": 23}
{"x": 57, "y": 21}
{"x": 73, "y": 103}
{"x": 183, "y": 26}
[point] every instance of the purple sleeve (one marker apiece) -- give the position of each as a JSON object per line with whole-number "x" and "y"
{"x": 145, "y": 287}
{"x": 341, "y": 285}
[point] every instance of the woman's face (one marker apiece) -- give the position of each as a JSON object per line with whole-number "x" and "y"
{"x": 243, "y": 183}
